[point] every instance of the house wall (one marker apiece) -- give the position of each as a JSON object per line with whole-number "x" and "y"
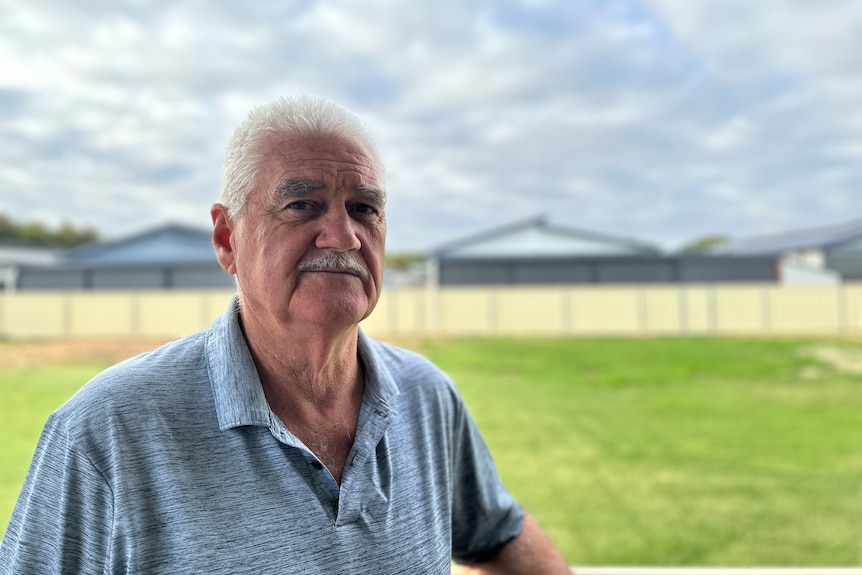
{"x": 849, "y": 267}
{"x": 728, "y": 269}
{"x": 125, "y": 278}
{"x": 539, "y": 272}
{"x": 796, "y": 274}
{"x": 607, "y": 271}
{"x": 50, "y": 278}
{"x": 196, "y": 278}
{"x": 619, "y": 270}
{"x": 128, "y": 278}
{"x": 549, "y": 310}
{"x": 846, "y": 259}
{"x": 655, "y": 271}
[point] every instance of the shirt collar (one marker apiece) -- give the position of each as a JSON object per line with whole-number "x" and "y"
{"x": 237, "y": 391}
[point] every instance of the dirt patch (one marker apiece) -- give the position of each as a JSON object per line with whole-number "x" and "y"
{"x": 16, "y": 354}
{"x": 846, "y": 359}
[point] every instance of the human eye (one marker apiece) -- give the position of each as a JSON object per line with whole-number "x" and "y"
{"x": 365, "y": 211}
{"x": 368, "y": 203}
{"x": 295, "y": 209}
{"x": 300, "y": 205}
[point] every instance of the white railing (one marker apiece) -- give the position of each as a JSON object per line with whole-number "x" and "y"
{"x": 717, "y": 570}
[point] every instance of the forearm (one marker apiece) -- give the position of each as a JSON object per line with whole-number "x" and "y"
{"x": 531, "y": 552}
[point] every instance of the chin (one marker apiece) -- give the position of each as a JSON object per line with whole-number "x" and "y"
{"x": 336, "y": 313}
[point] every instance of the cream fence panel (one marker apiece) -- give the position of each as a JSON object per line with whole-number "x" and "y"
{"x": 108, "y": 313}
{"x": 610, "y": 311}
{"x": 499, "y": 310}
{"x": 400, "y": 311}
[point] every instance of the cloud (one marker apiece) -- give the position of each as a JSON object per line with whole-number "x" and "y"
{"x": 662, "y": 119}
{"x": 819, "y": 38}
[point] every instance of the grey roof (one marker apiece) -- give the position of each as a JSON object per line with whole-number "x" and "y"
{"x": 167, "y": 245}
{"x": 536, "y": 238}
{"x": 18, "y": 254}
{"x": 810, "y": 238}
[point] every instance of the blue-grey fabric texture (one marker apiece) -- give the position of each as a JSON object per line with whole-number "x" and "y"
{"x": 172, "y": 462}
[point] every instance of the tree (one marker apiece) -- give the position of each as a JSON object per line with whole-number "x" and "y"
{"x": 402, "y": 260}
{"x": 37, "y": 233}
{"x": 704, "y": 244}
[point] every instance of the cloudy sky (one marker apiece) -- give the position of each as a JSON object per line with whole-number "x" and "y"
{"x": 657, "y": 120}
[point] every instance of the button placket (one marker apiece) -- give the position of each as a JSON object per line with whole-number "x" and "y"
{"x": 360, "y": 483}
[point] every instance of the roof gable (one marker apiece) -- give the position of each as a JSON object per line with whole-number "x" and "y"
{"x": 535, "y": 238}
{"x": 170, "y": 244}
{"x": 12, "y": 254}
{"x": 823, "y": 237}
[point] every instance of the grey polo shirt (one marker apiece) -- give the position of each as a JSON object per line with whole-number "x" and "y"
{"x": 172, "y": 462}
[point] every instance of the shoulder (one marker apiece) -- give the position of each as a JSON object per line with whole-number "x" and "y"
{"x": 154, "y": 380}
{"x": 400, "y": 360}
{"x": 422, "y": 387}
{"x": 408, "y": 368}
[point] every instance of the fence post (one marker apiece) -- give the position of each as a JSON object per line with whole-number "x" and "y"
{"x": 841, "y": 297}
{"x": 4, "y": 301}
{"x": 392, "y": 310}
{"x": 419, "y": 304}
{"x": 765, "y": 311}
{"x": 712, "y": 311}
{"x": 566, "y": 311}
{"x": 135, "y": 313}
{"x": 643, "y": 315}
{"x": 491, "y": 311}
{"x": 682, "y": 298}
{"x": 432, "y": 300}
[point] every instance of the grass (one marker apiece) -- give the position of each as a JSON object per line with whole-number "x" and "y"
{"x": 673, "y": 451}
{"x": 629, "y": 452}
{"x": 27, "y": 397}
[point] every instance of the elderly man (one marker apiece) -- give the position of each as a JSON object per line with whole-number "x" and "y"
{"x": 282, "y": 439}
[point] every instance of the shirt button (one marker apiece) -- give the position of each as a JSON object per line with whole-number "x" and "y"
{"x": 317, "y": 465}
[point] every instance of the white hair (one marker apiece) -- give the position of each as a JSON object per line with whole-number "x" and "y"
{"x": 283, "y": 119}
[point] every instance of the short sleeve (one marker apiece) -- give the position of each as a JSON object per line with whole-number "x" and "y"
{"x": 63, "y": 518}
{"x": 484, "y": 516}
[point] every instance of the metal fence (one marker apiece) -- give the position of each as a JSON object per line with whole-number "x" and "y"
{"x": 765, "y": 309}
{"x": 647, "y": 310}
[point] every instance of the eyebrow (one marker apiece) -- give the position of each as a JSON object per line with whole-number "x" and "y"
{"x": 296, "y": 188}
{"x": 375, "y": 195}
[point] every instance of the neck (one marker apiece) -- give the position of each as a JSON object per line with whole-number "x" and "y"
{"x": 308, "y": 363}
{"x": 313, "y": 382}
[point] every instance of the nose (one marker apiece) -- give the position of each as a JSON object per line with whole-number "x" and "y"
{"x": 338, "y": 232}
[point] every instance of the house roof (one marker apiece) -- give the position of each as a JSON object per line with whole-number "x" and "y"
{"x": 536, "y": 238}
{"x": 166, "y": 245}
{"x": 805, "y": 239}
{"x": 19, "y": 254}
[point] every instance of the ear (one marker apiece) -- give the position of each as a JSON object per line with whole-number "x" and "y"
{"x": 223, "y": 227}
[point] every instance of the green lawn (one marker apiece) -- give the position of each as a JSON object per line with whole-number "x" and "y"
{"x": 673, "y": 451}
{"x": 629, "y": 452}
{"x": 27, "y": 397}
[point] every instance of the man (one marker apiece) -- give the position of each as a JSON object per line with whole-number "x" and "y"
{"x": 281, "y": 440}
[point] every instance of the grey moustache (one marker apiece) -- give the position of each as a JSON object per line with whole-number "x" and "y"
{"x": 333, "y": 262}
